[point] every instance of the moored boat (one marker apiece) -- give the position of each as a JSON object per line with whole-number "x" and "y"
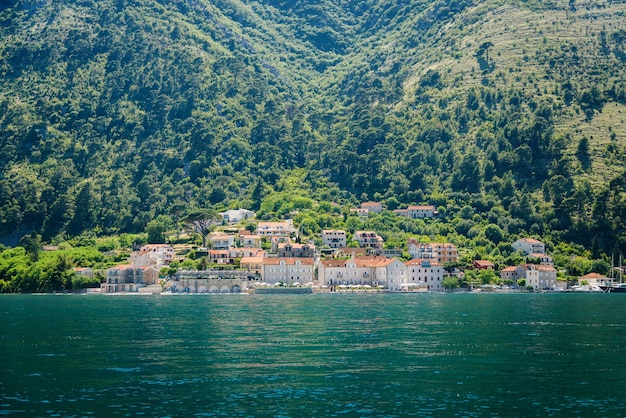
{"x": 614, "y": 288}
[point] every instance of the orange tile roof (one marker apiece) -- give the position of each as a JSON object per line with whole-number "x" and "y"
{"x": 273, "y": 261}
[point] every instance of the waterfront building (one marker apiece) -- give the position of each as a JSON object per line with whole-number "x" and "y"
{"x": 539, "y": 277}
{"x": 509, "y": 273}
{"x": 253, "y": 264}
{"x": 361, "y": 270}
{"x": 287, "y": 270}
{"x": 426, "y": 274}
{"x": 129, "y": 278}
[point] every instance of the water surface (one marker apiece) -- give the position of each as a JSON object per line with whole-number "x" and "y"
{"x": 368, "y": 355}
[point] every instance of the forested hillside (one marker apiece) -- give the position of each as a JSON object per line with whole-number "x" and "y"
{"x": 502, "y": 113}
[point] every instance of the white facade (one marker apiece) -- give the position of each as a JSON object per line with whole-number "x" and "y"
{"x": 415, "y": 212}
{"x": 363, "y": 270}
{"x": 396, "y": 275}
{"x": 128, "y": 278}
{"x": 369, "y": 239}
{"x": 237, "y": 215}
{"x": 420, "y": 211}
{"x": 221, "y": 241}
{"x": 287, "y": 270}
{"x": 375, "y": 207}
{"x": 424, "y": 273}
{"x": 540, "y": 276}
{"x": 363, "y": 213}
{"x": 152, "y": 255}
{"x": 275, "y": 229}
{"x": 439, "y": 252}
{"x": 529, "y": 246}
{"x": 334, "y": 238}
{"x": 358, "y": 270}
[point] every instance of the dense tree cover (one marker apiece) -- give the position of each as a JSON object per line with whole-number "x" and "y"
{"x": 26, "y": 268}
{"x": 130, "y": 116}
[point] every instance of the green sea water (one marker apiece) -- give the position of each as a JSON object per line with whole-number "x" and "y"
{"x": 361, "y": 355}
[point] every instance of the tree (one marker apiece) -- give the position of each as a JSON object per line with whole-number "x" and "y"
{"x": 450, "y": 283}
{"x": 494, "y": 233}
{"x": 32, "y": 244}
{"x": 202, "y": 221}
{"x": 582, "y": 152}
{"x": 157, "y": 228}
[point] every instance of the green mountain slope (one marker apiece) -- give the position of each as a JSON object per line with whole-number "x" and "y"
{"x": 115, "y": 112}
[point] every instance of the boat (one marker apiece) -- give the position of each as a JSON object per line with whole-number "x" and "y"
{"x": 614, "y": 288}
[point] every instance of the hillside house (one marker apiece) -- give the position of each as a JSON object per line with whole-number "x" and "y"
{"x": 483, "y": 265}
{"x": 440, "y": 252}
{"x": 334, "y": 238}
{"x": 416, "y": 211}
{"x": 529, "y": 246}
{"x": 369, "y": 239}
{"x": 153, "y": 255}
{"x": 249, "y": 240}
{"x": 296, "y": 250}
{"x": 375, "y": 207}
{"x": 275, "y": 229}
{"x": 221, "y": 240}
{"x": 362, "y": 213}
{"x": 84, "y": 272}
{"x": 237, "y": 215}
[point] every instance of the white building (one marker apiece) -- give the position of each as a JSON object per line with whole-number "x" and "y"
{"x": 275, "y": 229}
{"x": 361, "y": 270}
{"x": 249, "y": 240}
{"x": 375, "y": 207}
{"x": 415, "y": 211}
{"x": 128, "y": 278}
{"x": 439, "y": 252}
{"x": 287, "y": 270}
{"x": 152, "y": 255}
{"x": 543, "y": 259}
{"x": 538, "y": 276}
{"x": 221, "y": 240}
{"x": 369, "y": 239}
{"x": 334, "y": 238}
{"x": 529, "y": 246}
{"x": 362, "y": 213}
{"x": 237, "y": 215}
{"x": 423, "y": 273}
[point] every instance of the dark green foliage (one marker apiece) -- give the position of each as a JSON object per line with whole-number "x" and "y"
{"x": 114, "y": 114}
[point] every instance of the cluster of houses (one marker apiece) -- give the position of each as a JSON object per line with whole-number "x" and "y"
{"x": 413, "y": 211}
{"x": 285, "y": 261}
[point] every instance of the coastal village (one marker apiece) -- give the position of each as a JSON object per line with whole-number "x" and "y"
{"x": 274, "y": 259}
